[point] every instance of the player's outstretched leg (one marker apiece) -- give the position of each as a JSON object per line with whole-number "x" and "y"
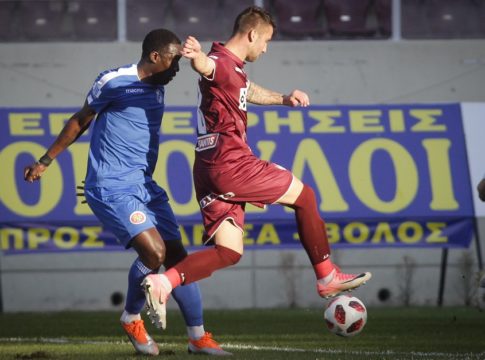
{"x": 337, "y": 282}
{"x": 156, "y": 294}
{"x": 313, "y": 236}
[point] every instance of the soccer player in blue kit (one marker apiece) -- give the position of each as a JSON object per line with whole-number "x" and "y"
{"x": 127, "y": 105}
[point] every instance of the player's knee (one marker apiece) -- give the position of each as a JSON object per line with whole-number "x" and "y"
{"x": 228, "y": 256}
{"x": 155, "y": 258}
{"x": 307, "y": 198}
{"x": 175, "y": 252}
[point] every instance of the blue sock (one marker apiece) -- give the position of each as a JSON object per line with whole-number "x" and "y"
{"x": 189, "y": 301}
{"x": 135, "y": 296}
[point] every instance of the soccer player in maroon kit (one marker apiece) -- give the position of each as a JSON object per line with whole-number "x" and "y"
{"x": 227, "y": 175}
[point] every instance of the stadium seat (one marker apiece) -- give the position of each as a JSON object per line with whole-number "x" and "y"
{"x": 383, "y": 9}
{"x": 41, "y": 20}
{"x": 7, "y": 20}
{"x": 440, "y": 19}
{"x": 348, "y": 18}
{"x": 231, "y": 10}
{"x": 202, "y": 19}
{"x": 94, "y": 20}
{"x": 143, "y": 16}
{"x": 299, "y": 20}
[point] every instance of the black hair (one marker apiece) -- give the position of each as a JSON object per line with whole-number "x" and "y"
{"x": 250, "y": 18}
{"x": 158, "y": 40}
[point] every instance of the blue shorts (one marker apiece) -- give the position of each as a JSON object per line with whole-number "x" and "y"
{"x": 128, "y": 211}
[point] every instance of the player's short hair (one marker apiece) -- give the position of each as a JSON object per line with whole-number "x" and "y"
{"x": 158, "y": 40}
{"x": 252, "y": 17}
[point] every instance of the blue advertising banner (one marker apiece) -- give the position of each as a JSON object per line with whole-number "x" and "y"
{"x": 384, "y": 175}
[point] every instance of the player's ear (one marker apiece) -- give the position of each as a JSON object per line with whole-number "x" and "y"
{"x": 252, "y": 35}
{"x": 154, "y": 57}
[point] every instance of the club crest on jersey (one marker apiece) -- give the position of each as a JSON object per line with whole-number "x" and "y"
{"x": 205, "y": 142}
{"x": 137, "y": 217}
{"x": 159, "y": 96}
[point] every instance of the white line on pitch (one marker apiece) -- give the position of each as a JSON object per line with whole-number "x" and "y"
{"x": 467, "y": 356}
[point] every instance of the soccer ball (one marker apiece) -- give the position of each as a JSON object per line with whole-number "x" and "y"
{"x": 345, "y": 315}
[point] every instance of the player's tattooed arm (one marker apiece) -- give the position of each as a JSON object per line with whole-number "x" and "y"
{"x": 74, "y": 128}
{"x": 261, "y": 96}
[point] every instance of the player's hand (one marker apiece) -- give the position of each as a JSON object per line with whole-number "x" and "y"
{"x": 191, "y": 48}
{"x": 296, "y": 98}
{"x": 34, "y": 172}
{"x": 481, "y": 190}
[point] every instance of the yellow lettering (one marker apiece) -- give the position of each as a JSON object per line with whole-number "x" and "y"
{"x": 427, "y": 120}
{"x": 66, "y": 237}
{"x": 333, "y": 233}
{"x": 383, "y": 232}
{"x": 92, "y": 233}
{"x": 184, "y": 236}
{"x": 356, "y": 232}
{"x": 247, "y": 240}
{"x": 22, "y": 124}
{"x": 310, "y": 154}
{"x": 326, "y": 121}
{"x": 51, "y": 185}
{"x": 268, "y": 234}
{"x": 396, "y": 121}
{"x": 273, "y": 122}
{"x": 253, "y": 119}
{"x": 177, "y": 123}
{"x": 410, "y": 232}
{"x": 11, "y": 233}
{"x": 443, "y": 197}
{"x": 365, "y": 121}
{"x": 361, "y": 175}
{"x": 436, "y": 235}
{"x": 198, "y": 232}
{"x": 37, "y": 236}
{"x": 163, "y": 173}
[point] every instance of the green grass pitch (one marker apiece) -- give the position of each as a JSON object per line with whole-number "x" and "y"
{"x": 391, "y": 333}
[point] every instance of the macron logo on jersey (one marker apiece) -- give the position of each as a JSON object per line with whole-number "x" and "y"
{"x": 134, "y": 91}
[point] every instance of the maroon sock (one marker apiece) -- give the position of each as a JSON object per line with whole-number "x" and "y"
{"x": 201, "y": 264}
{"x": 311, "y": 226}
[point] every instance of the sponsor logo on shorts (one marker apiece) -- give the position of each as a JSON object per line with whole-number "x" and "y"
{"x": 137, "y": 217}
{"x": 209, "y": 199}
{"x": 205, "y": 142}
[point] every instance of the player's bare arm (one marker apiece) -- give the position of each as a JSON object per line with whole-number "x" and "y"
{"x": 74, "y": 128}
{"x": 261, "y": 96}
{"x": 199, "y": 60}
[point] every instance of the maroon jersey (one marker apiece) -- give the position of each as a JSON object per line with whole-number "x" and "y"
{"x": 226, "y": 173}
{"x": 222, "y": 116}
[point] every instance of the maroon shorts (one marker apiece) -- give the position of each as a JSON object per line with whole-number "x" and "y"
{"x": 223, "y": 192}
